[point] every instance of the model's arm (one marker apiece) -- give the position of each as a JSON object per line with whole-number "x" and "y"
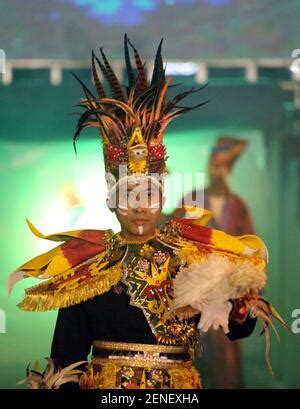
{"x": 241, "y": 325}
{"x": 241, "y": 330}
{"x": 72, "y": 337}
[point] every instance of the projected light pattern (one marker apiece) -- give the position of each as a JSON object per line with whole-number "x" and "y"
{"x": 127, "y": 12}
{"x": 203, "y": 28}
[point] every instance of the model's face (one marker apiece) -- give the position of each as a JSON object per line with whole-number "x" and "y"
{"x": 139, "y": 208}
{"x": 217, "y": 172}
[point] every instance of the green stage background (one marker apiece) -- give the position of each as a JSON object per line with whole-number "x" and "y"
{"x": 38, "y": 166}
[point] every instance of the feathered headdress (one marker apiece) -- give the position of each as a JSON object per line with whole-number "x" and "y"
{"x": 132, "y": 119}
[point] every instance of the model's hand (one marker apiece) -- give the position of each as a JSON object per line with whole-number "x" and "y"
{"x": 215, "y": 315}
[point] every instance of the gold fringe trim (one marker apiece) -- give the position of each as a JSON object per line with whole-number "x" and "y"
{"x": 44, "y": 300}
{"x": 108, "y": 376}
{"x": 89, "y": 379}
{"x": 185, "y": 378}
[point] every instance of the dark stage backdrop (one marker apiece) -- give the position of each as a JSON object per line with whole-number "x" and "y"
{"x": 192, "y": 29}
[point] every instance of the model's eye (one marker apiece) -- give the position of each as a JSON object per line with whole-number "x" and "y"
{"x": 123, "y": 196}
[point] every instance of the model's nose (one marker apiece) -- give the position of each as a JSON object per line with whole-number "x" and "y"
{"x": 140, "y": 208}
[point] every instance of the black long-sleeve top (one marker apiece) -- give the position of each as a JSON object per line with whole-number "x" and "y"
{"x": 110, "y": 317}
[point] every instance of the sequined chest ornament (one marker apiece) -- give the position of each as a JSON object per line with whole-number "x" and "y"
{"x": 148, "y": 273}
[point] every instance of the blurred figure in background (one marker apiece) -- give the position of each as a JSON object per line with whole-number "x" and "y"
{"x": 230, "y": 214}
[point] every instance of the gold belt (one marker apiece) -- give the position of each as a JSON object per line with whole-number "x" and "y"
{"x": 140, "y": 355}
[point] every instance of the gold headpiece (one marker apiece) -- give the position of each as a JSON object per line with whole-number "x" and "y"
{"x": 131, "y": 123}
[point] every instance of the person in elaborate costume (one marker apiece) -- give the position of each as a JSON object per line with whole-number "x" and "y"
{"x": 231, "y": 215}
{"x": 139, "y": 297}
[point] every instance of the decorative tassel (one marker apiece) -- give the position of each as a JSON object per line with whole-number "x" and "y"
{"x": 260, "y": 308}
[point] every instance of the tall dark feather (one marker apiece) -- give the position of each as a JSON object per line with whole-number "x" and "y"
{"x": 142, "y": 77}
{"x": 158, "y": 66}
{"x": 172, "y": 104}
{"x": 129, "y": 69}
{"x": 86, "y": 91}
{"x": 82, "y": 121}
{"x": 112, "y": 79}
{"x": 98, "y": 85}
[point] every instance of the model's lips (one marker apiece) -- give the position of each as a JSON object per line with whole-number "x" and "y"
{"x": 140, "y": 221}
